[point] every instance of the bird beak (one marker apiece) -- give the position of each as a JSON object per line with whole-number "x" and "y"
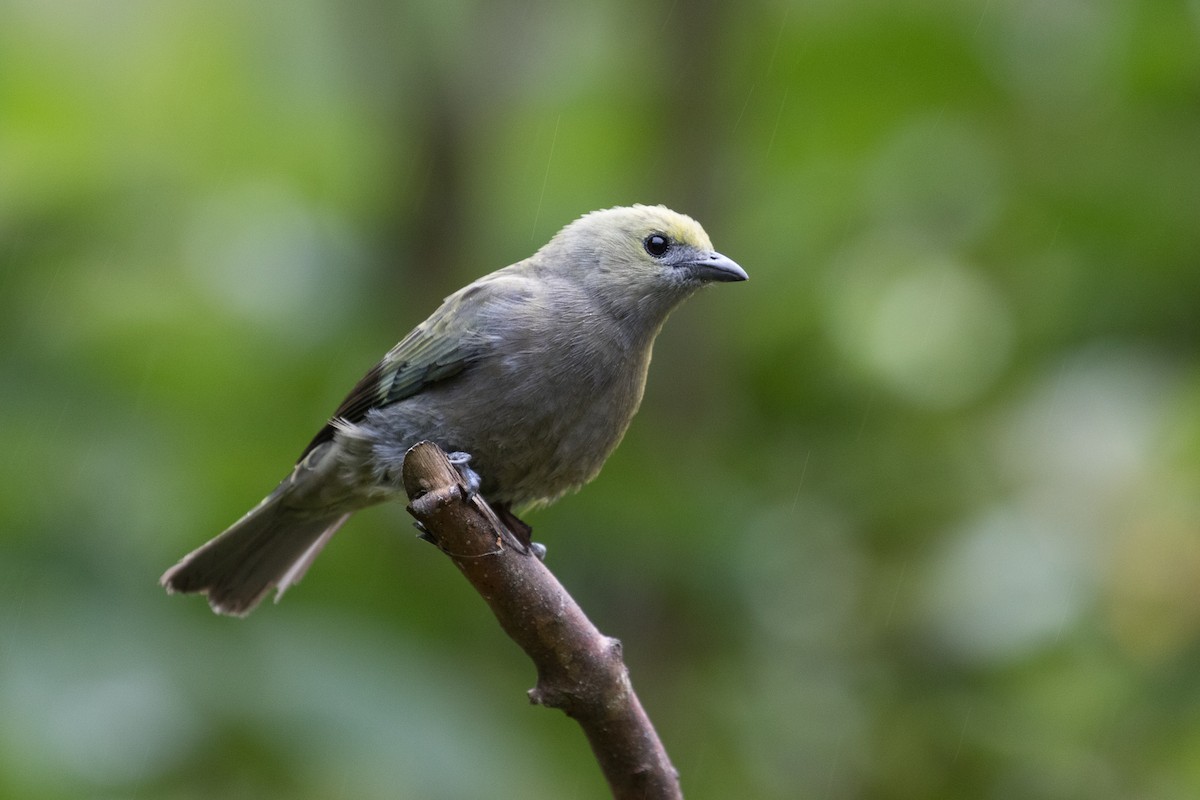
{"x": 716, "y": 267}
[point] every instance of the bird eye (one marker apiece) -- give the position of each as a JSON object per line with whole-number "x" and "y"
{"x": 657, "y": 245}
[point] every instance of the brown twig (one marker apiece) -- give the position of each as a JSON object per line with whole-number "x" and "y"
{"x": 579, "y": 670}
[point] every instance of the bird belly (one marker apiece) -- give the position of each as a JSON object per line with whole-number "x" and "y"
{"x": 531, "y": 442}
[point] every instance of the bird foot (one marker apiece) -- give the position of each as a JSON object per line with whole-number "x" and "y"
{"x": 471, "y": 479}
{"x": 517, "y": 528}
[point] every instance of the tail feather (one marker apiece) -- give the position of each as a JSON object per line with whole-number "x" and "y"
{"x": 296, "y": 571}
{"x": 269, "y": 548}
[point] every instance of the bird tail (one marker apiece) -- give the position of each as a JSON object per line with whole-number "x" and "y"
{"x": 271, "y": 547}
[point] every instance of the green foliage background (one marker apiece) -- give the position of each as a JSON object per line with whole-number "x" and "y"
{"x": 912, "y": 514}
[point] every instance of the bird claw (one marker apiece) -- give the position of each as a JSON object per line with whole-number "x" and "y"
{"x": 471, "y": 479}
{"x": 423, "y": 533}
{"x": 512, "y": 524}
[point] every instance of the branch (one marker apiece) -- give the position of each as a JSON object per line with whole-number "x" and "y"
{"x": 579, "y": 670}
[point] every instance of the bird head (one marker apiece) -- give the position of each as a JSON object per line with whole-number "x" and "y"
{"x": 643, "y": 258}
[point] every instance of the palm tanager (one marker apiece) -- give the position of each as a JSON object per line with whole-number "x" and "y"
{"x": 534, "y": 370}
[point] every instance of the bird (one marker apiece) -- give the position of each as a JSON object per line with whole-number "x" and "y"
{"x": 534, "y": 372}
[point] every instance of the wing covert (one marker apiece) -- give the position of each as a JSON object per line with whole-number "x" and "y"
{"x": 439, "y": 348}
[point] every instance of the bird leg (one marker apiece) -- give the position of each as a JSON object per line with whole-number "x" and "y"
{"x": 517, "y": 528}
{"x": 521, "y": 531}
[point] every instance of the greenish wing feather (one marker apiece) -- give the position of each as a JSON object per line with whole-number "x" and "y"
{"x": 439, "y": 348}
{"x": 427, "y": 355}
{"x": 433, "y": 352}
